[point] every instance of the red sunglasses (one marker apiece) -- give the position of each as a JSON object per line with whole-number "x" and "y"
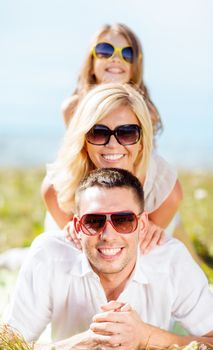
{"x": 93, "y": 224}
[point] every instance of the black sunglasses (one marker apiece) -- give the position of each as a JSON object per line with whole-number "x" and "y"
{"x": 127, "y": 134}
{"x": 107, "y": 50}
{"x": 94, "y": 224}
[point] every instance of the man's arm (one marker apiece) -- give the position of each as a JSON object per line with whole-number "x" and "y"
{"x": 30, "y": 309}
{"x": 81, "y": 341}
{"x": 11, "y": 339}
{"x": 130, "y": 332}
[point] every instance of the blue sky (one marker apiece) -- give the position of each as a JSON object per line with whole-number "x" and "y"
{"x": 43, "y": 45}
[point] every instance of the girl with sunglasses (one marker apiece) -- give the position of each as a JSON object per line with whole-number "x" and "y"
{"x": 112, "y": 128}
{"x": 114, "y": 55}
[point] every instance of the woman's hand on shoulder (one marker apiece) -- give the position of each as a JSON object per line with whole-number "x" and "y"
{"x": 71, "y": 234}
{"x": 155, "y": 235}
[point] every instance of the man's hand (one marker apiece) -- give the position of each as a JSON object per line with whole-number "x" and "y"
{"x": 119, "y": 326}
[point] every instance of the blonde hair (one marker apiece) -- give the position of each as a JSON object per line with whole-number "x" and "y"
{"x": 87, "y": 78}
{"x": 73, "y": 163}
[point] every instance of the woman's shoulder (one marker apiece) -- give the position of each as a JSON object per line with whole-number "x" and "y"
{"x": 159, "y": 182}
{"x": 159, "y": 168}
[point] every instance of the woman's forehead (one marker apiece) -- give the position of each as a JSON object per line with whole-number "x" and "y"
{"x": 122, "y": 114}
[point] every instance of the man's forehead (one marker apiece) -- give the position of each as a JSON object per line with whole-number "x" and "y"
{"x": 96, "y": 198}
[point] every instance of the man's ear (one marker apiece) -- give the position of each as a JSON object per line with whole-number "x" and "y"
{"x": 76, "y": 224}
{"x": 144, "y": 223}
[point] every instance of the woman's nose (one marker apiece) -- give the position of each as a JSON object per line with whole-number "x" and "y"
{"x": 112, "y": 141}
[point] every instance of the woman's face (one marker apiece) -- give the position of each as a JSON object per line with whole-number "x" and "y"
{"x": 113, "y": 69}
{"x": 113, "y": 154}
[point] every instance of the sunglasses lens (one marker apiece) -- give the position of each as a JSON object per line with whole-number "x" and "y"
{"x": 92, "y": 224}
{"x": 127, "y": 54}
{"x": 128, "y": 134}
{"x": 125, "y": 222}
{"x": 98, "y": 135}
{"x": 104, "y": 50}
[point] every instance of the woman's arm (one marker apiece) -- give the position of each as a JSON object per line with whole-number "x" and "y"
{"x": 50, "y": 199}
{"x": 68, "y": 108}
{"x": 159, "y": 219}
{"x": 164, "y": 214}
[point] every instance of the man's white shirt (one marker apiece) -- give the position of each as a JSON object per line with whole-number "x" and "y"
{"x": 57, "y": 284}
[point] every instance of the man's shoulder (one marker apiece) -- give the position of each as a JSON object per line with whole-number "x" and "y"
{"x": 172, "y": 253}
{"x": 53, "y": 246}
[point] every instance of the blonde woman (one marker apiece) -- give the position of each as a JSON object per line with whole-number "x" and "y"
{"x": 112, "y": 128}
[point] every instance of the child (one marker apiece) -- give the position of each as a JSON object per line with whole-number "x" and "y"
{"x": 104, "y": 63}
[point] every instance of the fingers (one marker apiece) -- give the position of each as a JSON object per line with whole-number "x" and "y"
{"x": 116, "y": 306}
{"x": 154, "y": 236}
{"x": 126, "y": 307}
{"x": 112, "y": 306}
{"x": 71, "y": 235}
{"x": 112, "y": 316}
{"x": 107, "y": 341}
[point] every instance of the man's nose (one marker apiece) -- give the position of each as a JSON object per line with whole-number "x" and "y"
{"x": 109, "y": 231}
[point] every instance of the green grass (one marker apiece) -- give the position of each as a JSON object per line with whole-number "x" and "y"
{"x": 196, "y": 211}
{"x": 22, "y": 210}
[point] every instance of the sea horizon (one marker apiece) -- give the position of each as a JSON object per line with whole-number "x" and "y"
{"x": 35, "y": 146}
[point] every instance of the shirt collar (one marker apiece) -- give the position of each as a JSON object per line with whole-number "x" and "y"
{"x": 139, "y": 274}
{"x": 85, "y": 266}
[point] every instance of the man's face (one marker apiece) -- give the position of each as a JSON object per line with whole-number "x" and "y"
{"x": 111, "y": 252}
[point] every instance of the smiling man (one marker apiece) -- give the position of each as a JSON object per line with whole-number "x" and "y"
{"x": 109, "y": 295}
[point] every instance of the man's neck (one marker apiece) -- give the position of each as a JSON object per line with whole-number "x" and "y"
{"x": 114, "y": 284}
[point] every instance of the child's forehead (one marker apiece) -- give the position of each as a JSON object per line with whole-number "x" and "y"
{"x": 113, "y": 34}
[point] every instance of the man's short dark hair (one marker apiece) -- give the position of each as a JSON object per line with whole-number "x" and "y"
{"x": 111, "y": 178}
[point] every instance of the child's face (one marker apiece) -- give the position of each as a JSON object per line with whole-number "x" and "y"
{"x": 113, "y": 69}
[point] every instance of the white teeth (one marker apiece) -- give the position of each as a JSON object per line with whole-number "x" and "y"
{"x": 114, "y": 70}
{"x": 110, "y": 251}
{"x": 112, "y": 156}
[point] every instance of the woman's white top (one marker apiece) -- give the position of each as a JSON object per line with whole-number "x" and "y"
{"x": 159, "y": 182}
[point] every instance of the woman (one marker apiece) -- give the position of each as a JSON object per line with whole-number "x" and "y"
{"x": 112, "y": 127}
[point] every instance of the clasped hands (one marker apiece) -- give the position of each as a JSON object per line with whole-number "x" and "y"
{"x": 118, "y": 326}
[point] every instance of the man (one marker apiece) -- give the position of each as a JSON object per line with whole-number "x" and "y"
{"x": 110, "y": 296}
